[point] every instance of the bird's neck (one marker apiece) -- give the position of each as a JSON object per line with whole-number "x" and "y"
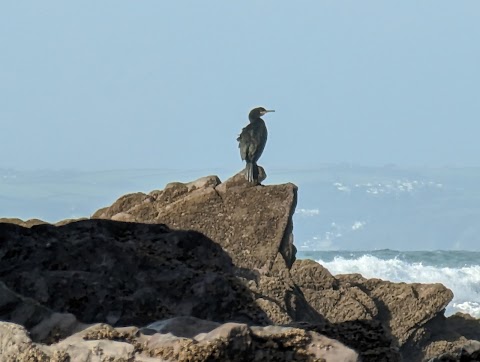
{"x": 255, "y": 119}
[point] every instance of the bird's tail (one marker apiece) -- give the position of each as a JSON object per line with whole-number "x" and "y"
{"x": 251, "y": 172}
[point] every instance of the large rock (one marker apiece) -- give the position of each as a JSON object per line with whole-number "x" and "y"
{"x": 252, "y": 224}
{"x": 413, "y": 314}
{"x": 456, "y": 338}
{"x": 123, "y": 273}
{"x": 403, "y": 306}
{"x": 337, "y": 303}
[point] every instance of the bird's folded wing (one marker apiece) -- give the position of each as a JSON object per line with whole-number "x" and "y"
{"x": 246, "y": 143}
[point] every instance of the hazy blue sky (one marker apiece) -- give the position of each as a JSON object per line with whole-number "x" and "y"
{"x": 168, "y": 84}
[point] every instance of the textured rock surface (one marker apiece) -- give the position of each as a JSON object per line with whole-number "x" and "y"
{"x": 367, "y": 336}
{"x": 124, "y": 273}
{"x": 194, "y": 342}
{"x": 252, "y": 224}
{"x": 336, "y": 302}
{"x": 15, "y": 345}
{"x": 44, "y": 324}
{"x": 405, "y": 307}
{"x": 455, "y": 338}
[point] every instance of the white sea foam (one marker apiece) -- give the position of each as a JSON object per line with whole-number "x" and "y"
{"x": 358, "y": 225}
{"x": 307, "y": 212}
{"x": 392, "y": 187}
{"x": 340, "y": 187}
{"x": 464, "y": 282}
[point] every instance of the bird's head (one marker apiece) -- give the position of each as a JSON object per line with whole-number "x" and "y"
{"x": 258, "y": 112}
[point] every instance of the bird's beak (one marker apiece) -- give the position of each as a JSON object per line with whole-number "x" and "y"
{"x": 266, "y": 111}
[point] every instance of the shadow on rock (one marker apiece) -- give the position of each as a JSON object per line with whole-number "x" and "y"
{"x": 123, "y": 273}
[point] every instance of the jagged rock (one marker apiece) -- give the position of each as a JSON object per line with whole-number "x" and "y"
{"x": 465, "y": 325}
{"x": 252, "y": 224}
{"x": 469, "y": 351}
{"x": 308, "y": 274}
{"x": 337, "y": 304}
{"x": 455, "y": 338}
{"x": 368, "y": 337}
{"x": 403, "y": 308}
{"x": 123, "y": 273}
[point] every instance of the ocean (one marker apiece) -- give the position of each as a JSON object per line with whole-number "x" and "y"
{"x": 457, "y": 270}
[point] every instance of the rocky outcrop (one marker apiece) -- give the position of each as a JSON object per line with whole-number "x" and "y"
{"x": 124, "y": 273}
{"x": 179, "y": 339}
{"x": 204, "y": 204}
{"x": 455, "y": 338}
{"x": 406, "y": 310}
{"x": 130, "y": 274}
{"x": 221, "y": 254}
{"x": 252, "y": 224}
{"x": 403, "y": 306}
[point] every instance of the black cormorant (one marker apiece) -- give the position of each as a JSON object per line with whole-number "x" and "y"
{"x": 252, "y": 141}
